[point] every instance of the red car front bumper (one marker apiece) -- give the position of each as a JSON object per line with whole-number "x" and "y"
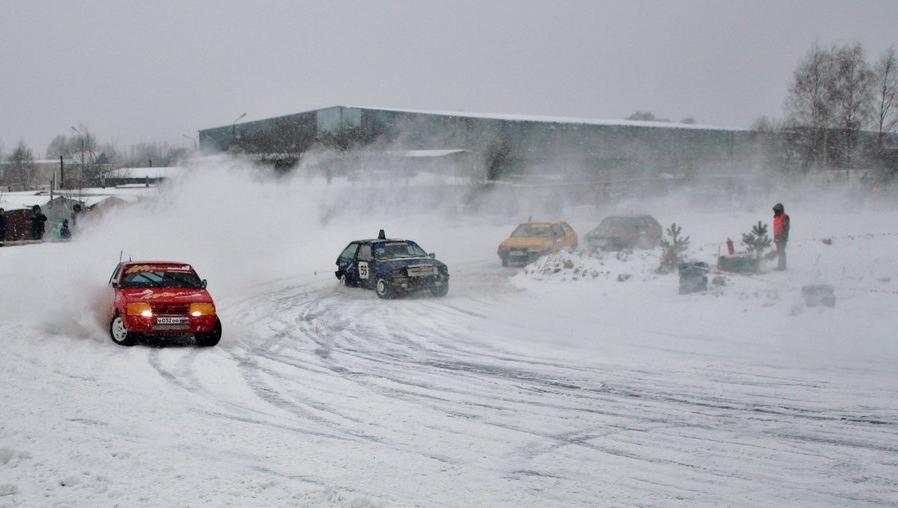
{"x": 170, "y": 325}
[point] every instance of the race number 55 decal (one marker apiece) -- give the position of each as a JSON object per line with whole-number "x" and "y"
{"x": 363, "y": 270}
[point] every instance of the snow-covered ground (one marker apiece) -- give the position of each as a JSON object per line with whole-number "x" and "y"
{"x": 522, "y": 387}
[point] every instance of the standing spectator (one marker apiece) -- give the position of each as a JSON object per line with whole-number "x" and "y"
{"x": 37, "y": 223}
{"x": 780, "y": 234}
{"x": 64, "y": 232}
{"x": 2, "y": 226}
{"x": 76, "y": 210}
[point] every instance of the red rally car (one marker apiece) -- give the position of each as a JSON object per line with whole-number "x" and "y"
{"x": 161, "y": 298}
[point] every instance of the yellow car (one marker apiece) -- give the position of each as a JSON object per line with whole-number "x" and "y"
{"x": 531, "y": 240}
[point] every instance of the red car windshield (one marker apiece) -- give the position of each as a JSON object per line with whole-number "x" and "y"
{"x": 161, "y": 279}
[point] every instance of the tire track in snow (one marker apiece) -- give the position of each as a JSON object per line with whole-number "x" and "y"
{"x": 429, "y": 353}
{"x": 181, "y": 374}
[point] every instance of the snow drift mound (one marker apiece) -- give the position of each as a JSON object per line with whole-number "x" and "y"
{"x": 587, "y": 266}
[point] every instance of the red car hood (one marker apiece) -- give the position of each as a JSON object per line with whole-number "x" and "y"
{"x": 166, "y": 295}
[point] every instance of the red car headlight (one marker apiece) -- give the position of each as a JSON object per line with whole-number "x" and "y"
{"x": 139, "y": 309}
{"x": 202, "y": 309}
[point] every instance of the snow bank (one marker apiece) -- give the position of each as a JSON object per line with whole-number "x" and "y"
{"x": 588, "y": 266}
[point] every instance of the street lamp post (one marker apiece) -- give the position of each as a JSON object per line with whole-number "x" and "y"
{"x": 234, "y": 128}
{"x": 81, "y": 177}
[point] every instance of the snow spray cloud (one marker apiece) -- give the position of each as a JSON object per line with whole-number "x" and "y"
{"x": 237, "y": 223}
{"x": 240, "y": 224}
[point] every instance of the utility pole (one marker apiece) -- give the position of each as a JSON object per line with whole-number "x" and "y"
{"x": 61, "y": 174}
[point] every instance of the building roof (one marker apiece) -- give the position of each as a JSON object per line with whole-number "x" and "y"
{"x": 513, "y": 118}
{"x": 16, "y": 200}
{"x": 557, "y": 119}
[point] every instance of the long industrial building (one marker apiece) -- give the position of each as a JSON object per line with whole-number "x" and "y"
{"x": 503, "y": 145}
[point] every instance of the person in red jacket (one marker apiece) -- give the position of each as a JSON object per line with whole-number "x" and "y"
{"x": 780, "y": 234}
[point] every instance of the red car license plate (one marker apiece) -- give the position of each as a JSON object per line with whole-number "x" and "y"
{"x": 172, "y": 320}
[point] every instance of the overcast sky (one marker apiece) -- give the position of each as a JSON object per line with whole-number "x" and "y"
{"x": 158, "y": 70}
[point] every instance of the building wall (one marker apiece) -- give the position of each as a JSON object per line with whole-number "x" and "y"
{"x": 515, "y": 145}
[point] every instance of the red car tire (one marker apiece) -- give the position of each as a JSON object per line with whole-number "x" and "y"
{"x": 210, "y": 338}
{"x": 119, "y": 332}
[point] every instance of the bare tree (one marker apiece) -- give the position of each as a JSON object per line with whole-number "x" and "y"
{"x": 764, "y": 124}
{"x": 59, "y": 145}
{"x": 153, "y": 154}
{"x": 644, "y": 116}
{"x": 830, "y": 101}
{"x": 885, "y": 75}
{"x": 82, "y": 144}
{"x": 21, "y": 162}
{"x": 110, "y": 151}
{"x": 850, "y": 94}
{"x": 807, "y": 104}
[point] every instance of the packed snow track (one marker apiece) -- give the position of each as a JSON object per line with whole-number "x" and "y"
{"x": 582, "y": 380}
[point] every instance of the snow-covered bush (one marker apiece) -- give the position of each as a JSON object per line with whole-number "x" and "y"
{"x": 757, "y": 241}
{"x": 673, "y": 249}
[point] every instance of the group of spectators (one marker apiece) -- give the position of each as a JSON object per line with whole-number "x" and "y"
{"x": 38, "y": 222}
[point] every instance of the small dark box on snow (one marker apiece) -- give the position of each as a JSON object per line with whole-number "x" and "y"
{"x": 818, "y": 294}
{"x": 693, "y": 277}
{"x": 738, "y": 263}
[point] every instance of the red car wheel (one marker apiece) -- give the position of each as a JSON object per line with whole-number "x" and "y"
{"x": 119, "y": 332}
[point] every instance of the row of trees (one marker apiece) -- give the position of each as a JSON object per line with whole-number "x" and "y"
{"x": 138, "y": 155}
{"x": 841, "y": 107}
{"x": 93, "y": 158}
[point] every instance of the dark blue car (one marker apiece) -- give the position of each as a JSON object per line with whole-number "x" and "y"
{"x": 391, "y": 268}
